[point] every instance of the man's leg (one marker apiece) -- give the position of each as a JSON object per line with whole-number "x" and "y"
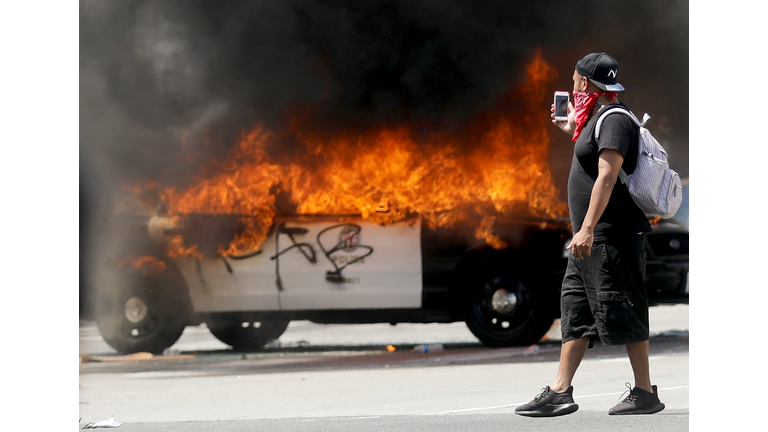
{"x": 571, "y": 354}
{"x": 644, "y": 398}
{"x": 576, "y": 324}
{"x": 638, "y": 358}
{"x": 558, "y": 399}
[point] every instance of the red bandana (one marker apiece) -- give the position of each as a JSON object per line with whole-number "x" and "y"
{"x": 583, "y": 103}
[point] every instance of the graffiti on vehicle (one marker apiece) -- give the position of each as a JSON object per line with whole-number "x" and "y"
{"x": 348, "y": 240}
{"x": 306, "y": 249}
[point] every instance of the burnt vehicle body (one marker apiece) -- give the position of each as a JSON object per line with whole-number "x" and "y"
{"x": 666, "y": 248}
{"x": 666, "y": 263}
{"x": 346, "y": 270}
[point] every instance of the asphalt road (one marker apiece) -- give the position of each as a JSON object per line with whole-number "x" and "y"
{"x": 342, "y": 378}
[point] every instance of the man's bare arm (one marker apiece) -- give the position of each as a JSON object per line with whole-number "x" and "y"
{"x": 608, "y": 168}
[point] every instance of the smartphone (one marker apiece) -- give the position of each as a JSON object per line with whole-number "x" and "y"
{"x": 561, "y": 105}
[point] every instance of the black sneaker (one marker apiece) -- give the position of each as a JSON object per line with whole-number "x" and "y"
{"x": 639, "y": 401}
{"x": 549, "y": 403}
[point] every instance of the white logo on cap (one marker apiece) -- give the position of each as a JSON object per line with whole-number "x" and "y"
{"x": 612, "y": 72}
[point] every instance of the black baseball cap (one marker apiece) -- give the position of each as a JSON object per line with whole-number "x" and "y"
{"x": 601, "y": 69}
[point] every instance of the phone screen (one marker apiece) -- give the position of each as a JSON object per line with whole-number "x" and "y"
{"x": 561, "y": 106}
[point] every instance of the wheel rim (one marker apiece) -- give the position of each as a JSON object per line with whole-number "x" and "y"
{"x": 136, "y": 310}
{"x": 140, "y": 317}
{"x": 502, "y": 306}
{"x": 503, "y": 302}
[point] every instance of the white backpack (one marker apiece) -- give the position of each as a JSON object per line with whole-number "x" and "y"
{"x": 654, "y": 187}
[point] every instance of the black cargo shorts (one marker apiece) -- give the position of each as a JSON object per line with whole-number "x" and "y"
{"x": 603, "y": 295}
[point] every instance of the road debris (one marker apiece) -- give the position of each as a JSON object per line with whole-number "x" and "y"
{"x": 427, "y": 348}
{"x": 531, "y": 350}
{"x": 108, "y": 423}
{"x": 391, "y": 348}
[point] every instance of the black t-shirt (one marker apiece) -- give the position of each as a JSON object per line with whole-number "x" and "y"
{"x": 622, "y": 216}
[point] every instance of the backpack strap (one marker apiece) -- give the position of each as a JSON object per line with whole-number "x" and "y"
{"x": 631, "y": 115}
{"x": 646, "y": 117}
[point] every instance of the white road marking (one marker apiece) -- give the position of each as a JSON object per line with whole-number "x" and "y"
{"x": 474, "y": 409}
{"x": 520, "y": 403}
{"x": 618, "y": 393}
{"x": 340, "y": 418}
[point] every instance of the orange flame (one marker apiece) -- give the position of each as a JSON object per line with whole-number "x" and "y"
{"x": 149, "y": 265}
{"x": 387, "y": 173}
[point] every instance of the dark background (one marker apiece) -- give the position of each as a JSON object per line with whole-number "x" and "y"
{"x": 164, "y": 81}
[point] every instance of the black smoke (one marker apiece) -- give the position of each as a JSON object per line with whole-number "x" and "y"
{"x": 167, "y": 85}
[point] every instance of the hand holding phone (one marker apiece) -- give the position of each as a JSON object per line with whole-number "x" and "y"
{"x": 563, "y": 115}
{"x": 561, "y": 105}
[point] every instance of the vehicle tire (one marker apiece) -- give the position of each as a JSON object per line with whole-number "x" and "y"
{"x": 245, "y": 335}
{"x": 146, "y": 313}
{"x": 502, "y": 311}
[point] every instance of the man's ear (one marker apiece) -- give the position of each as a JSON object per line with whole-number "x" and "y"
{"x": 584, "y": 84}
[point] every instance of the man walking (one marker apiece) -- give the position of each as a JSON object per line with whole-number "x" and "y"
{"x": 603, "y": 295}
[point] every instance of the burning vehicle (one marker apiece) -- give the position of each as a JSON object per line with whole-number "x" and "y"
{"x": 336, "y": 269}
{"x": 383, "y": 225}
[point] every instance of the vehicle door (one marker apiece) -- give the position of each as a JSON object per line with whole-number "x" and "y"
{"x": 232, "y": 283}
{"x": 347, "y": 263}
